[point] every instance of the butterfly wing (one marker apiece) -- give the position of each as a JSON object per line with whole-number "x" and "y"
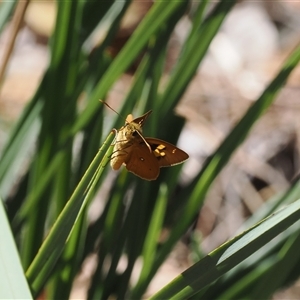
{"x": 166, "y": 154}
{"x": 143, "y": 156}
{"x": 140, "y": 120}
{"x": 142, "y": 162}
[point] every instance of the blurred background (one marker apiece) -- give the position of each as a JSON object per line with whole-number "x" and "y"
{"x": 242, "y": 59}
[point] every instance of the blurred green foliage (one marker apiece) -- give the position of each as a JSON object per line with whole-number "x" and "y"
{"x": 54, "y": 236}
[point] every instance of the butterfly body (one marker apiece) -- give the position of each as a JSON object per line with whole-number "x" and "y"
{"x": 126, "y": 138}
{"x": 143, "y": 156}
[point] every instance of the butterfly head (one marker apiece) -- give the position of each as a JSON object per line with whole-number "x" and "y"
{"x": 134, "y": 126}
{"x": 133, "y": 130}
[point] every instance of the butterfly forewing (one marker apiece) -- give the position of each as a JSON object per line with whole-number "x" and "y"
{"x": 143, "y": 156}
{"x": 141, "y": 120}
{"x": 166, "y": 154}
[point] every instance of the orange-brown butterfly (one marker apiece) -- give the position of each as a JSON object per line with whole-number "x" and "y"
{"x": 143, "y": 156}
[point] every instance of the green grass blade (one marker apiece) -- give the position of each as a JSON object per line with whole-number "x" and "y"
{"x": 284, "y": 198}
{"x": 199, "y": 188}
{"x": 112, "y": 239}
{"x": 13, "y": 281}
{"x": 6, "y": 10}
{"x": 278, "y": 266}
{"x": 34, "y": 197}
{"x": 152, "y": 237}
{"x": 57, "y": 237}
{"x": 69, "y": 262}
{"x": 193, "y": 53}
{"x": 129, "y": 226}
{"x": 245, "y": 278}
{"x": 288, "y": 257}
{"x": 227, "y": 256}
{"x": 158, "y": 15}
{"x": 17, "y": 143}
{"x": 59, "y": 105}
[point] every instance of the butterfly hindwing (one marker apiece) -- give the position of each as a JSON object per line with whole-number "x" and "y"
{"x": 143, "y": 156}
{"x": 142, "y": 162}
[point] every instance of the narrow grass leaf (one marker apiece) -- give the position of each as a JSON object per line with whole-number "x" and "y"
{"x": 13, "y": 281}
{"x": 34, "y": 197}
{"x": 58, "y": 235}
{"x": 199, "y": 187}
{"x": 158, "y": 15}
{"x": 227, "y": 256}
{"x": 25, "y": 128}
{"x": 279, "y": 271}
{"x": 6, "y": 10}
{"x": 151, "y": 241}
{"x": 193, "y": 53}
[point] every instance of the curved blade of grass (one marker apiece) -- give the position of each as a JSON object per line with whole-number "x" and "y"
{"x": 92, "y": 13}
{"x": 135, "y": 227}
{"x": 59, "y": 105}
{"x": 6, "y": 9}
{"x": 196, "y": 192}
{"x": 69, "y": 261}
{"x": 288, "y": 257}
{"x": 198, "y": 189}
{"x": 197, "y": 18}
{"x": 227, "y": 256}
{"x": 287, "y": 197}
{"x": 35, "y": 196}
{"x": 160, "y": 12}
{"x": 54, "y": 243}
{"x": 13, "y": 281}
{"x": 193, "y": 53}
{"x": 268, "y": 275}
{"x": 15, "y": 24}
{"x": 158, "y": 56}
{"x": 18, "y": 138}
{"x": 152, "y": 236}
{"x": 151, "y": 60}
{"x": 246, "y": 277}
{"x": 134, "y": 93}
{"x": 111, "y": 238}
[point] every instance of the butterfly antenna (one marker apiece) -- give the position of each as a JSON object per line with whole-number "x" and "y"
{"x": 144, "y": 140}
{"x": 111, "y": 108}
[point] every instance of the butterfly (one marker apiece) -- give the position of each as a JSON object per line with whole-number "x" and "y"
{"x": 143, "y": 156}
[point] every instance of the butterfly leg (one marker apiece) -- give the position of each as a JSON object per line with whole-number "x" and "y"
{"x": 117, "y": 159}
{"x": 114, "y": 130}
{"x": 119, "y": 152}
